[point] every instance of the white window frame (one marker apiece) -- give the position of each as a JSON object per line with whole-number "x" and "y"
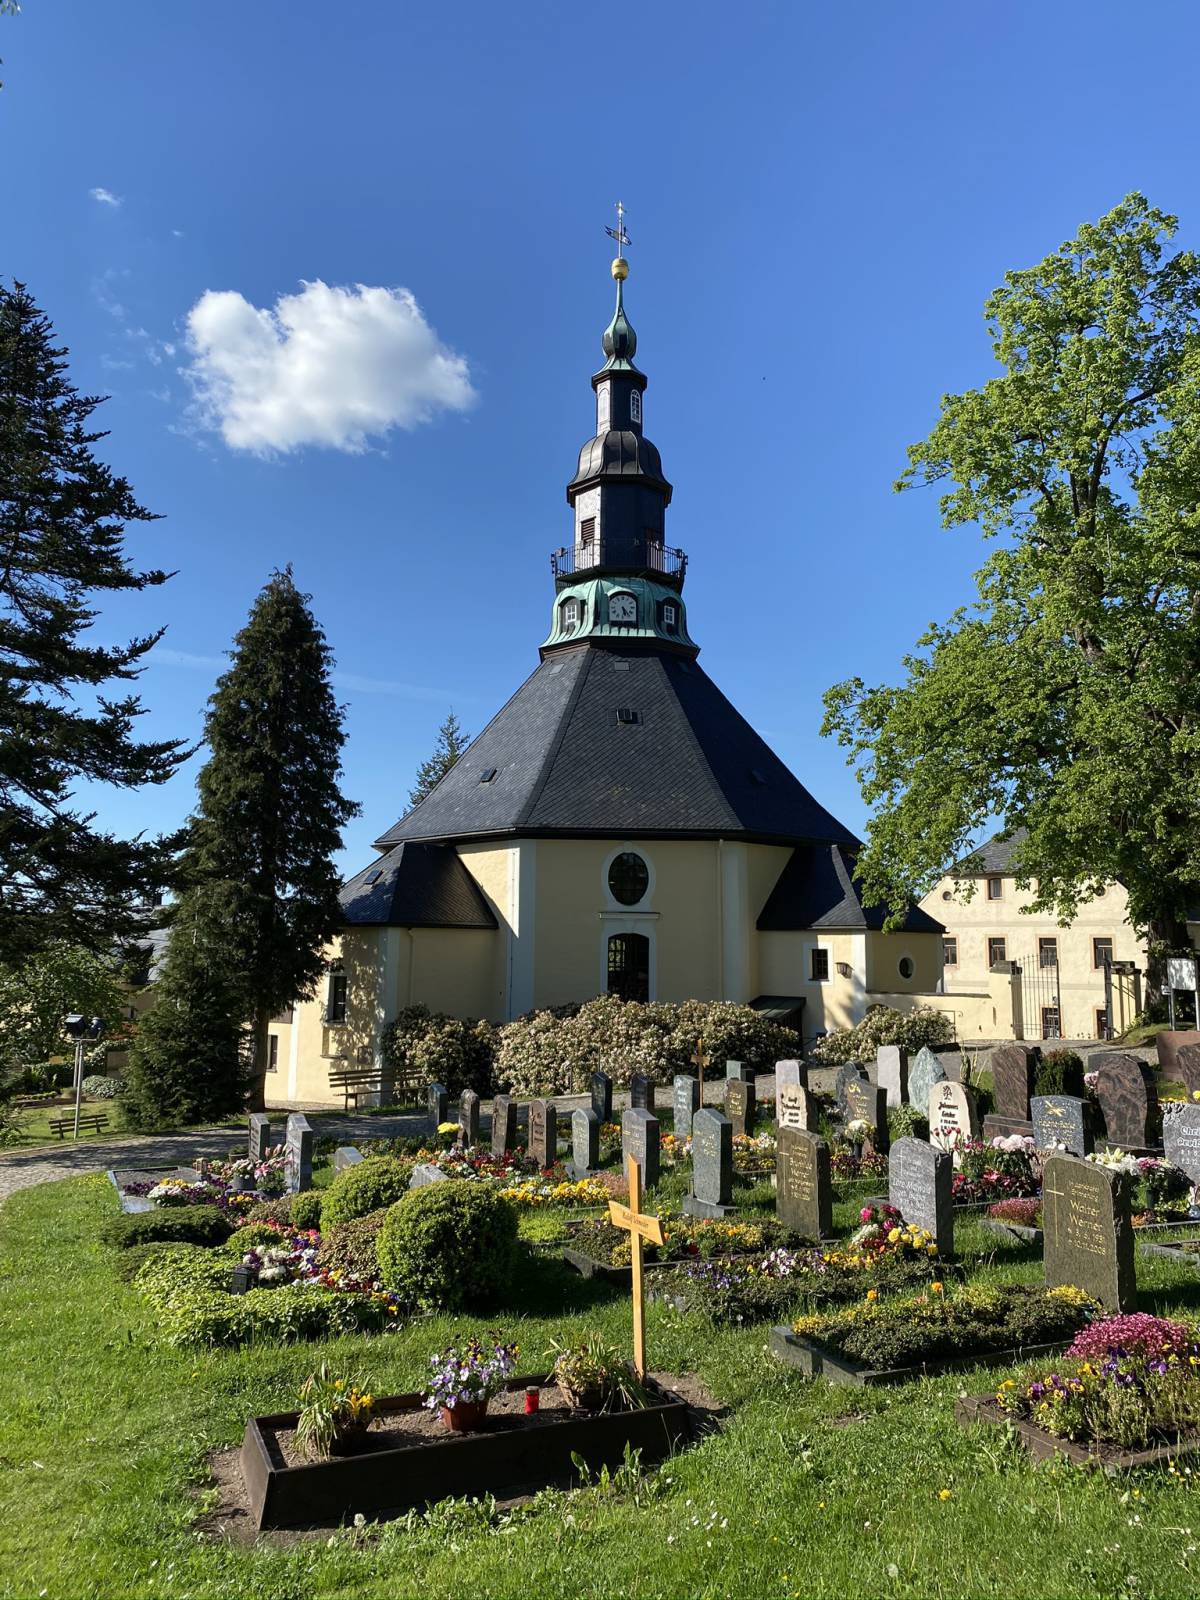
{"x": 611, "y": 903}
{"x": 635, "y": 405}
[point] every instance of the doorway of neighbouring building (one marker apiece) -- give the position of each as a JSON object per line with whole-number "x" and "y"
{"x": 1041, "y": 990}
{"x": 629, "y": 966}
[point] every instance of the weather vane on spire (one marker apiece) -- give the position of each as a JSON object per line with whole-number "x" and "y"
{"x": 618, "y": 233}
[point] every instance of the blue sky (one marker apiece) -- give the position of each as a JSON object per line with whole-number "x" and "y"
{"x": 819, "y": 201}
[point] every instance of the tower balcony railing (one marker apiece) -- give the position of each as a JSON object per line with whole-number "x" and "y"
{"x": 642, "y": 558}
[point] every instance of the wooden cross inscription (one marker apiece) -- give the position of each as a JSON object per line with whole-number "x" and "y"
{"x": 700, "y": 1060}
{"x": 639, "y": 1227}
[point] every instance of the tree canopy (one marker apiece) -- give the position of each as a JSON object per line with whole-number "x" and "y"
{"x": 1067, "y": 697}
{"x": 451, "y": 742}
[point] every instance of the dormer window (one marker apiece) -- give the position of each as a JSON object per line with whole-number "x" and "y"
{"x": 635, "y": 405}
{"x": 569, "y": 615}
{"x": 670, "y": 616}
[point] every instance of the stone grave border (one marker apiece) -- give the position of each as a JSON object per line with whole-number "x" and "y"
{"x": 983, "y": 1409}
{"x": 501, "y": 1463}
{"x": 815, "y": 1361}
{"x": 1015, "y": 1230}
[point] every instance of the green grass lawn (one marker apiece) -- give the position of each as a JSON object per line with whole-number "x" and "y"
{"x": 808, "y": 1490}
{"x": 32, "y": 1123}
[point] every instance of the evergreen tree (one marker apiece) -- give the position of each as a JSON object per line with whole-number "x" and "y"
{"x": 258, "y": 873}
{"x": 62, "y": 521}
{"x": 451, "y": 742}
{"x": 187, "y": 1060}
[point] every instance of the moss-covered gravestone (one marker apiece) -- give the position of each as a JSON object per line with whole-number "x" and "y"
{"x": 1087, "y": 1231}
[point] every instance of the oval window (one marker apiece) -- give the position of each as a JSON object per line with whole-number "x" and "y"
{"x": 628, "y": 878}
{"x": 906, "y": 967}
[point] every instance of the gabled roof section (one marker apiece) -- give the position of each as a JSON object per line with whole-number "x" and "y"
{"x": 993, "y": 858}
{"x": 680, "y": 760}
{"x": 816, "y": 889}
{"x": 416, "y": 886}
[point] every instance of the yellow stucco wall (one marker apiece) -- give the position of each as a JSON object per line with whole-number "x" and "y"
{"x": 886, "y": 952}
{"x": 785, "y": 967}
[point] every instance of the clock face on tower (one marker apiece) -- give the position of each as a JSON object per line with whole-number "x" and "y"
{"x": 622, "y": 608}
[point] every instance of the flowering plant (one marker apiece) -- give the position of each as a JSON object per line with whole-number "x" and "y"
{"x": 882, "y": 1229}
{"x": 291, "y": 1256}
{"x": 1025, "y": 1213}
{"x": 470, "y": 1374}
{"x": 859, "y": 1130}
{"x": 1116, "y": 1161}
{"x": 1000, "y": 1170}
{"x": 182, "y": 1192}
{"x": 330, "y": 1408}
{"x": 847, "y": 1167}
{"x": 533, "y": 1192}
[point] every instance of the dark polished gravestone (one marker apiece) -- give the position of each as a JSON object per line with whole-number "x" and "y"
{"x": 796, "y": 1108}
{"x": 952, "y": 1115}
{"x": 299, "y": 1153}
{"x": 920, "y": 1186}
{"x": 1181, "y": 1139}
{"x": 867, "y": 1102}
{"x": 788, "y": 1073}
{"x": 439, "y": 1104}
{"x": 685, "y": 1102}
{"x": 891, "y": 1072}
{"x": 923, "y": 1073}
{"x": 1013, "y": 1067}
{"x": 640, "y": 1137}
{"x": 345, "y": 1156}
{"x": 1062, "y": 1120}
{"x": 740, "y": 1104}
{"x": 804, "y": 1184}
{"x": 585, "y": 1142}
{"x": 1188, "y": 1060}
{"x": 601, "y": 1087}
{"x": 504, "y": 1124}
{"x": 712, "y": 1165}
{"x": 259, "y": 1141}
{"x": 543, "y": 1132}
{"x": 468, "y": 1118}
{"x": 1128, "y": 1096}
{"x": 1087, "y": 1231}
{"x": 641, "y": 1092}
{"x": 850, "y": 1072}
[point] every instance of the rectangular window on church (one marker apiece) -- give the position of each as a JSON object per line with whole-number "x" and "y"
{"x": 820, "y": 966}
{"x": 335, "y": 1010}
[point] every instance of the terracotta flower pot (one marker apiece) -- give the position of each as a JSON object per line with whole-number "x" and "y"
{"x": 467, "y": 1414}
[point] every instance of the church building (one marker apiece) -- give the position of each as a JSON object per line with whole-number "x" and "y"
{"x": 618, "y": 827}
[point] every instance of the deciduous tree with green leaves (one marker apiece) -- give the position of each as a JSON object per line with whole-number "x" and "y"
{"x": 1067, "y": 697}
{"x": 38, "y": 994}
{"x": 451, "y": 742}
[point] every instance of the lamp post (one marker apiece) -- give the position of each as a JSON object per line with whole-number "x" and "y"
{"x": 83, "y": 1030}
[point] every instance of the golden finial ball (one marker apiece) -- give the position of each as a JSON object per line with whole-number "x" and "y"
{"x": 620, "y": 269}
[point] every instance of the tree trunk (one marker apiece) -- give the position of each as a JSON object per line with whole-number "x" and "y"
{"x": 256, "y": 1089}
{"x": 1166, "y": 935}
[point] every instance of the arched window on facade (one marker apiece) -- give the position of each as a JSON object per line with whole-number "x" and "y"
{"x": 629, "y": 966}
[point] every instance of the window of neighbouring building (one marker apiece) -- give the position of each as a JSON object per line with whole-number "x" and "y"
{"x": 995, "y": 888}
{"x": 819, "y": 967}
{"x": 1047, "y": 952}
{"x": 950, "y": 952}
{"x": 273, "y": 1053}
{"x": 335, "y": 1007}
{"x": 1101, "y": 1022}
{"x": 1050, "y": 1023}
{"x": 1102, "y": 951}
{"x": 996, "y": 951}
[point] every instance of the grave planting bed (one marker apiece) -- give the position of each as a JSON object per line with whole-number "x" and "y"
{"x": 984, "y": 1409}
{"x": 412, "y": 1460}
{"x": 815, "y": 1361}
{"x": 1014, "y": 1230}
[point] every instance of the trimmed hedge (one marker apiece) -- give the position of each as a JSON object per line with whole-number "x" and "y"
{"x": 350, "y": 1247}
{"x": 301, "y": 1210}
{"x": 307, "y": 1208}
{"x": 449, "y": 1246}
{"x": 251, "y": 1236}
{"x": 203, "y": 1225}
{"x": 371, "y": 1185}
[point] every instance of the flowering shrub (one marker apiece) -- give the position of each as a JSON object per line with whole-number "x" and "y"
{"x": 550, "y": 1053}
{"x": 1025, "y": 1213}
{"x": 847, "y": 1167}
{"x": 470, "y": 1374}
{"x": 442, "y": 1049}
{"x": 536, "y": 1192}
{"x": 449, "y": 1245}
{"x": 1134, "y": 1334}
{"x": 181, "y": 1192}
{"x": 98, "y": 1087}
{"x": 882, "y": 1230}
{"x": 884, "y": 1025}
{"x": 1001, "y": 1170}
{"x": 686, "y": 1237}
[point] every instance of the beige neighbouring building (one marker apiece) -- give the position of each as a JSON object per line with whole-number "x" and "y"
{"x": 616, "y": 828}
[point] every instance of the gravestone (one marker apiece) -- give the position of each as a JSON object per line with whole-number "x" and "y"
{"x": 712, "y": 1165}
{"x": 585, "y": 1142}
{"x": 788, "y": 1072}
{"x": 640, "y": 1139}
{"x": 795, "y": 1108}
{"x": 920, "y": 1186}
{"x": 641, "y": 1096}
{"x": 803, "y": 1183}
{"x": 1128, "y": 1096}
{"x": 299, "y": 1153}
{"x": 504, "y": 1125}
{"x": 740, "y": 1104}
{"x": 543, "y": 1132}
{"x": 427, "y": 1173}
{"x": 1087, "y": 1232}
{"x": 1188, "y": 1059}
{"x": 891, "y": 1072}
{"x": 468, "y": 1118}
{"x": 602, "y": 1096}
{"x": 1062, "y": 1119}
{"x": 1181, "y": 1140}
{"x": 685, "y": 1103}
{"x": 951, "y": 1111}
{"x": 439, "y": 1104}
{"x": 924, "y": 1072}
{"x": 1013, "y": 1067}
{"x": 345, "y": 1156}
{"x": 867, "y": 1102}
{"x": 260, "y": 1135}
{"x": 741, "y": 1070}
{"x": 849, "y": 1073}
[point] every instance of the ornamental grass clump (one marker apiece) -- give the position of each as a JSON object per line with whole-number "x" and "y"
{"x": 448, "y": 1246}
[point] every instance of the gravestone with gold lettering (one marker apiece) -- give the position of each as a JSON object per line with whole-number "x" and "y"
{"x": 952, "y": 1116}
{"x": 740, "y": 1104}
{"x": 1087, "y": 1231}
{"x": 1062, "y": 1121}
{"x": 803, "y": 1183}
{"x": 795, "y": 1107}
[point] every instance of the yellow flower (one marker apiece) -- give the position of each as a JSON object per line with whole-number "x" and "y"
{"x": 1007, "y": 1385}
{"x": 893, "y": 1235}
{"x": 945, "y": 1494}
{"x": 937, "y": 1287}
{"x": 931, "y": 1249}
{"x": 872, "y": 1294}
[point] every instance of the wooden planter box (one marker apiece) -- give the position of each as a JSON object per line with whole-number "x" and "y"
{"x": 1016, "y": 1230}
{"x": 817, "y": 1362}
{"x": 983, "y": 1408}
{"x": 512, "y": 1459}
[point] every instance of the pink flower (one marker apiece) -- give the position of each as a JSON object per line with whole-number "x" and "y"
{"x": 865, "y": 1214}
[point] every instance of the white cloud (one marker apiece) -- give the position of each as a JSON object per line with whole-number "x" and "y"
{"x": 355, "y": 682}
{"x": 327, "y": 366}
{"x": 105, "y": 196}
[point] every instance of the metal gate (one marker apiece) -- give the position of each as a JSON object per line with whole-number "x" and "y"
{"x": 1041, "y": 995}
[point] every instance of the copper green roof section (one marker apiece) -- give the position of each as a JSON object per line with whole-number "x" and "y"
{"x": 592, "y": 596}
{"x": 620, "y": 341}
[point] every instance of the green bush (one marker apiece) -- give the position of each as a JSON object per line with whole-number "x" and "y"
{"x": 884, "y": 1025}
{"x": 373, "y": 1184}
{"x": 349, "y": 1247}
{"x": 251, "y": 1236}
{"x": 301, "y": 1210}
{"x": 1059, "y": 1072}
{"x": 202, "y": 1225}
{"x": 906, "y": 1122}
{"x": 306, "y": 1208}
{"x": 448, "y": 1246}
{"x": 442, "y": 1049}
{"x": 130, "y": 1262}
{"x": 98, "y": 1087}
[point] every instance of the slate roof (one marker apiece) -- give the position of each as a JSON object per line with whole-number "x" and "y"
{"x": 690, "y": 766}
{"x": 416, "y": 886}
{"x": 817, "y": 890}
{"x": 991, "y": 859}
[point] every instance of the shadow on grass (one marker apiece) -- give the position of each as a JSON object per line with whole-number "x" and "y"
{"x": 545, "y": 1286}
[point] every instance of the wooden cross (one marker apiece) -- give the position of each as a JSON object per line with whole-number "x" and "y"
{"x": 639, "y": 1227}
{"x": 700, "y": 1060}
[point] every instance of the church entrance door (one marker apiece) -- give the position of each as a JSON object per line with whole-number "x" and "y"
{"x": 629, "y": 966}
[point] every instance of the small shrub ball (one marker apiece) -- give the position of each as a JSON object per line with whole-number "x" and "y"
{"x": 357, "y": 1191}
{"x": 449, "y": 1246}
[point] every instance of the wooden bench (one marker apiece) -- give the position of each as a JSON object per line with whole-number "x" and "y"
{"x": 97, "y": 1121}
{"x": 402, "y": 1088}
